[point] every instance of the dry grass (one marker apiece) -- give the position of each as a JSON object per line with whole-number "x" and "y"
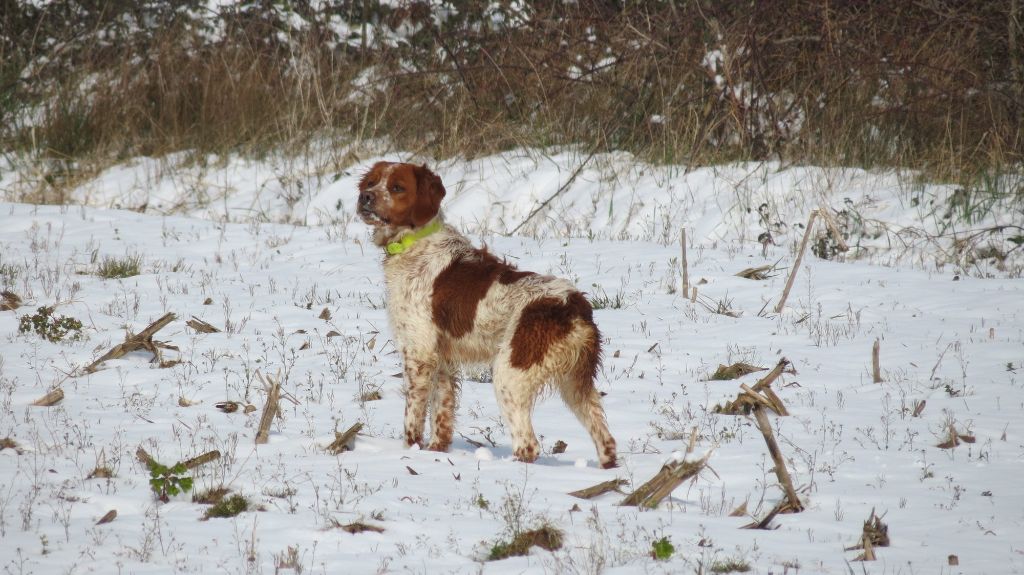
{"x": 545, "y": 537}
{"x": 936, "y": 86}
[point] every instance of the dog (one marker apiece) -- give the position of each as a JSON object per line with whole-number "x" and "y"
{"x": 451, "y": 304}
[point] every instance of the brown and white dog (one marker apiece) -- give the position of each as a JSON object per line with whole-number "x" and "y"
{"x": 451, "y": 304}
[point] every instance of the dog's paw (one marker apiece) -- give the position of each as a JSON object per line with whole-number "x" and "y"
{"x": 442, "y": 447}
{"x": 527, "y": 453}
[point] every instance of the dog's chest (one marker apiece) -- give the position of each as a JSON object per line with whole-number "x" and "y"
{"x": 409, "y": 285}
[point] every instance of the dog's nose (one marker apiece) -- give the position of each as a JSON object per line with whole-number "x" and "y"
{"x": 365, "y": 198}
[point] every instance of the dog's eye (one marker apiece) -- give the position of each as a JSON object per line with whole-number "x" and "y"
{"x": 371, "y": 183}
{"x": 397, "y": 189}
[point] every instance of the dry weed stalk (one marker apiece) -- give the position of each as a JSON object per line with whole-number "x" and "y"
{"x": 796, "y": 265}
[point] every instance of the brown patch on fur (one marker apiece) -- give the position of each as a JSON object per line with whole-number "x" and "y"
{"x": 590, "y": 356}
{"x": 459, "y": 288}
{"x": 546, "y": 321}
{"x": 512, "y": 275}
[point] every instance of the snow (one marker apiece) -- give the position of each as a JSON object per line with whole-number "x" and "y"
{"x": 271, "y": 244}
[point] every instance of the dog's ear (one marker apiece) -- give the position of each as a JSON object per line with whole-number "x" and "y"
{"x": 429, "y": 193}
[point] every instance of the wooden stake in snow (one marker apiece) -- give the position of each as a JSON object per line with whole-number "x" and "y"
{"x": 685, "y": 268}
{"x": 876, "y": 368}
{"x": 53, "y": 397}
{"x": 141, "y": 340}
{"x": 660, "y": 486}
{"x": 780, "y": 464}
{"x": 796, "y": 264}
{"x": 269, "y": 409}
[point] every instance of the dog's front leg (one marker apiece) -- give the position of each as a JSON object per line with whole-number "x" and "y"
{"x": 444, "y": 400}
{"x": 420, "y": 375}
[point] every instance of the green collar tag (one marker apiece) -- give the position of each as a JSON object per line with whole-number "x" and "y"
{"x": 395, "y": 248}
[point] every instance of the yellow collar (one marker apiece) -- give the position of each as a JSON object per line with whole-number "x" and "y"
{"x": 395, "y": 248}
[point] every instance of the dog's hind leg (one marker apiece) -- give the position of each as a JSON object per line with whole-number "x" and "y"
{"x": 517, "y": 391}
{"x": 585, "y": 402}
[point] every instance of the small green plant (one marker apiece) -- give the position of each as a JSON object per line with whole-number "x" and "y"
{"x": 113, "y": 268}
{"x": 166, "y": 482}
{"x": 51, "y": 327}
{"x": 662, "y": 549}
{"x": 228, "y": 507}
{"x": 481, "y": 502}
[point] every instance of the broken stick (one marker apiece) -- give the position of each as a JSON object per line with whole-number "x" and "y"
{"x": 685, "y": 270}
{"x": 141, "y": 340}
{"x": 201, "y": 326}
{"x": 344, "y": 441}
{"x": 600, "y": 489}
{"x": 760, "y": 393}
{"x": 53, "y": 397}
{"x": 876, "y": 368}
{"x": 796, "y": 264}
{"x": 201, "y": 459}
{"x": 660, "y": 486}
{"x": 269, "y": 410}
{"x": 780, "y": 464}
{"x": 143, "y": 456}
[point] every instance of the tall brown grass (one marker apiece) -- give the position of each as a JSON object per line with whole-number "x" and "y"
{"x": 933, "y": 85}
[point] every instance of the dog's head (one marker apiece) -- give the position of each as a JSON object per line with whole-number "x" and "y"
{"x": 394, "y": 196}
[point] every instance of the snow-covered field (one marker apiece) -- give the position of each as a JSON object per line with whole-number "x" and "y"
{"x": 260, "y": 250}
